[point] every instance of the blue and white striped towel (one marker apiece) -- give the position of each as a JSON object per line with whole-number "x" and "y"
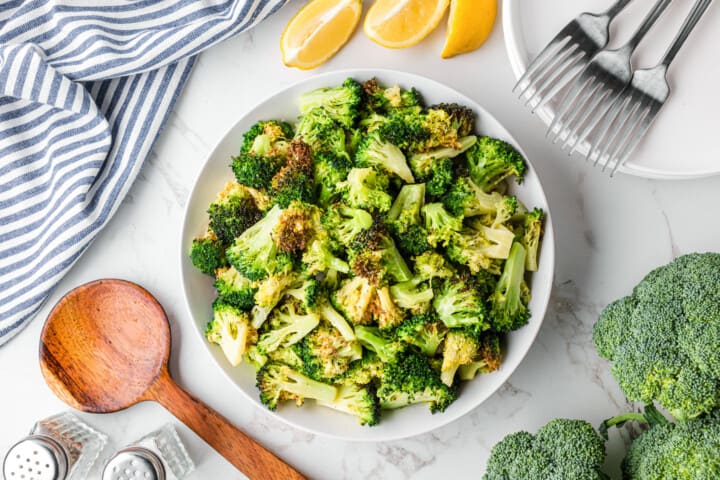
{"x": 85, "y": 87}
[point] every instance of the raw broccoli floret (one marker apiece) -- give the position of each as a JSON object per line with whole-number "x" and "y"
{"x": 232, "y": 212}
{"x": 235, "y": 289}
{"x": 509, "y": 309}
{"x": 431, "y": 265}
{"x": 287, "y": 326}
{"x": 414, "y": 295}
{"x": 358, "y": 400}
{"x": 207, "y": 253}
{"x": 440, "y": 225}
{"x": 326, "y": 354}
{"x": 322, "y": 133}
{"x": 384, "y": 346}
{"x": 425, "y": 331}
{"x": 408, "y": 379}
{"x": 488, "y": 358}
{"x": 405, "y": 221}
{"x": 278, "y": 382}
{"x": 468, "y": 200}
{"x": 295, "y": 180}
{"x": 265, "y": 136}
{"x": 490, "y": 161}
{"x": 254, "y": 253}
{"x": 230, "y": 328}
{"x": 531, "y": 238}
{"x": 461, "y": 347}
{"x": 458, "y": 304}
{"x": 367, "y": 189}
{"x": 341, "y": 103}
{"x": 562, "y": 449}
{"x": 382, "y": 155}
{"x": 462, "y": 118}
{"x": 664, "y": 338}
{"x": 344, "y": 223}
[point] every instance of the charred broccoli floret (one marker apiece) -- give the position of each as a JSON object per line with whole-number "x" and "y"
{"x": 232, "y": 212}
{"x": 367, "y": 189}
{"x": 294, "y": 181}
{"x": 462, "y": 118}
{"x": 375, "y": 256}
{"x": 461, "y": 347}
{"x": 278, "y": 382}
{"x": 487, "y": 360}
{"x": 326, "y": 354}
{"x": 353, "y": 299}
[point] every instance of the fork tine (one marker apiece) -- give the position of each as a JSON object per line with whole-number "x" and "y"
{"x": 540, "y": 81}
{"x": 624, "y": 133}
{"x": 613, "y": 126}
{"x": 541, "y": 59}
{"x": 567, "y": 102}
{"x": 643, "y": 124}
{"x": 586, "y": 115}
{"x": 604, "y": 112}
{"x": 603, "y": 102}
{"x": 580, "y": 110}
{"x": 565, "y": 74}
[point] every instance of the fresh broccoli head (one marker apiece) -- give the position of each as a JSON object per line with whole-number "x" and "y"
{"x": 341, "y": 103}
{"x": 254, "y": 253}
{"x": 563, "y": 449}
{"x": 490, "y": 161}
{"x": 509, "y": 309}
{"x": 278, "y": 382}
{"x": 326, "y": 354}
{"x": 358, "y": 400}
{"x": 232, "y": 212}
{"x": 405, "y": 222}
{"x": 408, "y": 379}
{"x": 235, "y": 289}
{"x": 287, "y": 326}
{"x": 382, "y": 155}
{"x": 458, "y": 304}
{"x": 230, "y": 328}
{"x": 207, "y": 253}
{"x": 664, "y": 339}
{"x": 424, "y": 331}
{"x": 367, "y": 189}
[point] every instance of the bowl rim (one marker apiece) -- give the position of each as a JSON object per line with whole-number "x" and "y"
{"x": 548, "y": 252}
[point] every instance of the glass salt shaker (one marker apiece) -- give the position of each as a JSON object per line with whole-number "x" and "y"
{"x": 159, "y": 455}
{"x": 61, "y": 447}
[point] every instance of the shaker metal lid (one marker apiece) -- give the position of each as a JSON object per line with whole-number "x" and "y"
{"x": 134, "y": 463}
{"x": 36, "y": 457}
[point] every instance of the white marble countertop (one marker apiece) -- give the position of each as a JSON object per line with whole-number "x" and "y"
{"x": 609, "y": 234}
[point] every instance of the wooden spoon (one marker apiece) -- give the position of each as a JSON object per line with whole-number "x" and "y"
{"x": 105, "y": 347}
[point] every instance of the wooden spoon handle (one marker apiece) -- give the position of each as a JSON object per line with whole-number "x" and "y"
{"x": 246, "y": 454}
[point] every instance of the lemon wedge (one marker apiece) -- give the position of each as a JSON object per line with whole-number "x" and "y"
{"x": 403, "y": 23}
{"x": 317, "y": 31}
{"x": 469, "y": 25}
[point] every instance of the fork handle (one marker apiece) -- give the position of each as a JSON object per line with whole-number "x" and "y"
{"x": 648, "y": 23}
{"x": 691, "y": 21}
{"x": 618, "y": 7}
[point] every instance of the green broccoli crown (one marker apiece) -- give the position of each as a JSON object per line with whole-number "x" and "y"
{"x": 431, "y": 265}
{"x": 288, "y": 324}
{"x": 277, "y": 382}
{"x": 405, "y": 222}
{"x": 562, "y": 449}
{"x": 207, "y": 254}
{"x": 392, "y": 99}
{"x": 425, "y": 331}
{"x": 254, "y": 253}
{"x": 466, "y": 199}
{"x": 230, "y": 328}
{"x": 317, "y": 129}
{"x": 256, "y": 171}
{"x": 375, "y": 256}
{"x": 308, "y": 293}
{"x": 358, "y": 400}
{"x": 385, "y": 347}
{"x": 235, "y": 289}
{"x": 363, "y": 371}
{"x": 509, "y": 309}
{"x": 232, "y": 212}
{"x": 408, "y": 379}
{"x": 480, "y": 247}
{"x": 326, "y": 354}
{"x": 440, "y": 224}
{"x": 663, "y": 339}
{"x": 319, "y": 257}
{"x": 344, "y": 223}
{"x": 382, "y": 155}
{"x": 490, "y": 161}
{"x": 329, "y": 171}
{"x": 462, "y": 118}
{"x": 367, "y": 189}
{"x": 458, "y": 304}
{"x": 683, "y": 451}
{"x": 273, "y": 130}
{"x": 341, "y": 103}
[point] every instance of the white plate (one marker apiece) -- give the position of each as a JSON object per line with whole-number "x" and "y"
{"x": 682, "y": 143}
{"x": 199, "y": 292}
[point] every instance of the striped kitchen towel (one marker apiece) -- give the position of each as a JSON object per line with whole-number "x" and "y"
{"x": 85, "y": 87}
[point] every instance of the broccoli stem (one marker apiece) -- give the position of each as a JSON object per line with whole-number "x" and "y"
{"x": 337, "y": 321}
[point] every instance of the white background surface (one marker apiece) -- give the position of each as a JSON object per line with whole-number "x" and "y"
{"x": 609, "y": 234}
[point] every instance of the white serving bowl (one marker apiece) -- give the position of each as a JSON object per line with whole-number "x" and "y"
{"x": 199, "y": 292}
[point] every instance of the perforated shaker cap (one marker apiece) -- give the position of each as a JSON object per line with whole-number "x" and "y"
{"x": 36, "y": 457}
{"x": 134, "y": 463}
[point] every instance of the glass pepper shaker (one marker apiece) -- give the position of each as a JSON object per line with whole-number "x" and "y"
{"x": 159, "y": 455}
{"x": 61, "y": 447}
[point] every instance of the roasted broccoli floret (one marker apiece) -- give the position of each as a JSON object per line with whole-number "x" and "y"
{"x": 468, "y": 200}
{"x": 391, "y": 99}
{"x": 232, "y": 212}
{"x": 363, "y": 371}
{"x": 287, "y": 326}
{"x": 269, "y": 293}
{"x": 436, "y": 167}
{"x": 431, "y": 265}
{"x": 358, "y": 400}
{"x": 254, "y": 253}
{"x": 265, "y": 136}
{"x": 488, "y": 358}
{"x": 425, "y": 331}
{"x": 335, "y": 319}
{"x": 326, "y": 354}
{"x": 531, "y": 238}
{"x": 461, "y": 347}
{"x": 330, "y": 170}
{"x": 383, "y": 309}
{"x": 414, "y": 295}
{"x": 663, "y": 340}
{"x": 344, "y": 223}
{"x": 207, "y": 253}
{"x": 440, "y": 225}
{"x": 562, "y": 449}
{"x": 235, "y": 289}
{"x": 462, "y": 118}
{"x": 262, "y": 153}
{"x": 420, "y": 132}
{"x": 322, "y": 133}
{"x": 341, "y": 103}
{"x": 294, "y": 181}
{"x": 490, "y": 161}
{"x": 405, "y": 222}
{"x": 375, "y": 256}
{"x": 367, "y": 189}
{"x": 509, "y": 309}
{"x": 308, "y": 293}
{"x": 353, "y": 299}
{"x": 458, "y": 304}
{"x": 385, "y": 347}
{"x": 278, "y": 382}
{"x": 408, "y": 379}
{"x": 478, "y": 247}
{"x": 230, "y": 328}
{"x": 382, "y": 155}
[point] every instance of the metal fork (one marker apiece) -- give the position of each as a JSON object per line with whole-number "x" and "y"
{"x": 566, "y": 55}
{"x": 599, "y": 84}
{"x": 637, "y": 107}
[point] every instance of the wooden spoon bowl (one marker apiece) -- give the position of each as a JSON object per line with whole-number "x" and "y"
{"x": 105, "y": 347}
